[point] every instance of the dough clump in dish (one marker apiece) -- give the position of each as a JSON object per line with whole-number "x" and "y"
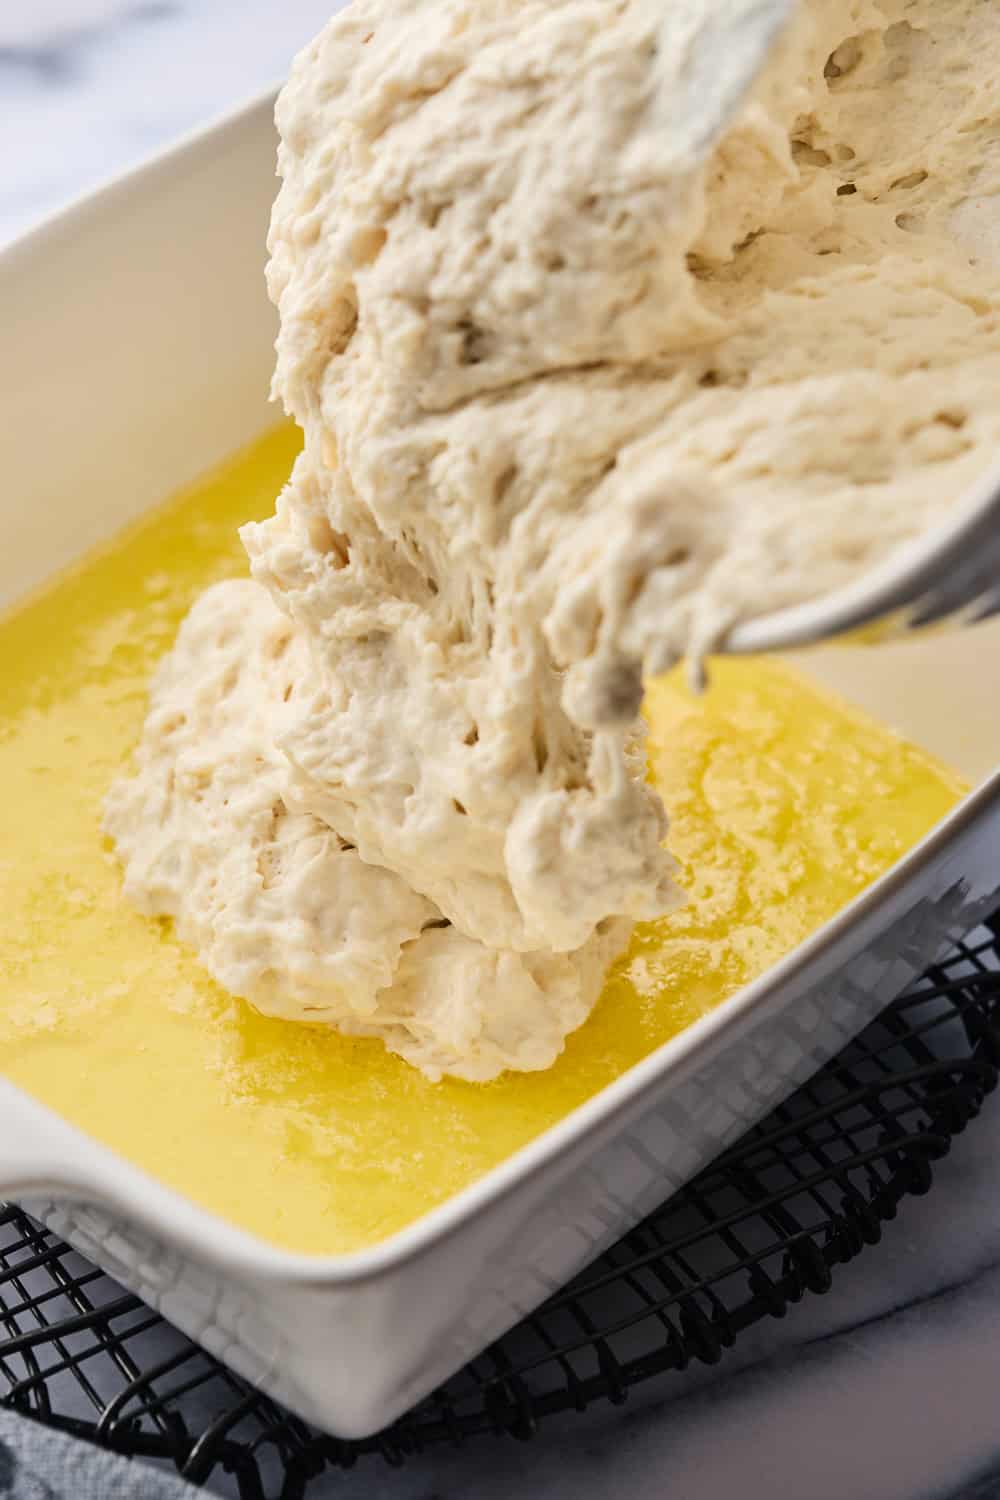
{"x": 578, "y": 393}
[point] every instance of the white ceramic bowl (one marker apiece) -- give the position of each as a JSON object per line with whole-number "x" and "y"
{"x": 136, "y": 352}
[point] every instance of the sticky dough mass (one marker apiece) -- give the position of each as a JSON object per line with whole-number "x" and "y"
{"x": 576, "y": 397}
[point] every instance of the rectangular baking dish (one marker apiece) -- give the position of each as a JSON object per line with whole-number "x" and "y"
{"x": 136, "y": 351}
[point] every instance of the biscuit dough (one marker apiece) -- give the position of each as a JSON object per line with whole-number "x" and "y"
{"x": 579, "y": 390}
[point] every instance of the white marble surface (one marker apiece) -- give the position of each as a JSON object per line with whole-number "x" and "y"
{"x": 884, "y": 1390}
{"x": 90, "y": 87}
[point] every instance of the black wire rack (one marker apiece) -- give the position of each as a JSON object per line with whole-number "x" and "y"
{"x": 767, "y": 1223}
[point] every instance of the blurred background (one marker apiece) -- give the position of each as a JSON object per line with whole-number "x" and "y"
{"x": 90, "y": 87}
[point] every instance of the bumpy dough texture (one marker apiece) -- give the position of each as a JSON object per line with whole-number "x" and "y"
{"x": 280, "y": 907}
{"x": 576, "y": 397}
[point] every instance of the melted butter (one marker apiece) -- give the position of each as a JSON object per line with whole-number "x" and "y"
{"x": 784, "y": 805}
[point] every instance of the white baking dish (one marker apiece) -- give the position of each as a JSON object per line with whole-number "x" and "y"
{"x": 136, "y": 349}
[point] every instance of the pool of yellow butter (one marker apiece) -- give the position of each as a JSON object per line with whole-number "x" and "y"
{"x": 783, "y": 805}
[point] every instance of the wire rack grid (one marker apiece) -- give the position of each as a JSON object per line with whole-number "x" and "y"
{"x": 767, "y": 1223}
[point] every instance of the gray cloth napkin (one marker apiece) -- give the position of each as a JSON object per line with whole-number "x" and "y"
{"x": 36, "y": 1464}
